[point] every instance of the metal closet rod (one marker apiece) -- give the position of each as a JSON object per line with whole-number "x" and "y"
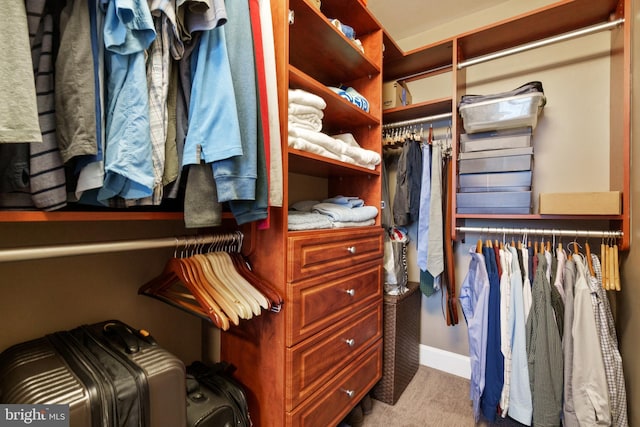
{"x": 544, "y": 42}
{"x": 418, "y": 121}
{"x": 55, "y": 251}
{"x": 542, "y": 231}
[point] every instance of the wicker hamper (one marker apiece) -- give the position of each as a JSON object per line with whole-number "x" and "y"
{"x": 401, "y": 343}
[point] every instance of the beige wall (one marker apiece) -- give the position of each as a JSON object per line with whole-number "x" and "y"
{"x": 46, "y": 295}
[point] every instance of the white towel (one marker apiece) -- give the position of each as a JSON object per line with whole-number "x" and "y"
{"x": 303, "y": 97}
{"x": 360, "y": 156}
{"x": 301, "y": 144}
{"x": 306, "y": 121}
{"x": 305, "y": 109}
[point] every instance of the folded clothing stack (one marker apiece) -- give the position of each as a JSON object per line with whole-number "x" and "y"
{"x": 335, "y": 212}
{"x": 305, "y": 122}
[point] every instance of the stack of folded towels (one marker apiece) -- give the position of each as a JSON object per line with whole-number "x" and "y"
{"x": 305, "y": 125}
{"x": 336, "y": 212}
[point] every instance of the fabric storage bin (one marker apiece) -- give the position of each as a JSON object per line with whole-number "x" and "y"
{"x": 498, "y": 179}
{"x": 401, "y": 344}
{"x": 496, "y": 164}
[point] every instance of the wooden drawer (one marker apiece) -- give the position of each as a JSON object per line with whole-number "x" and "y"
{"x": 332, "y": 402}
{"x": 320, "y": 252}
{"x": 316, "y": 360}
{"x": 325, "y": 300}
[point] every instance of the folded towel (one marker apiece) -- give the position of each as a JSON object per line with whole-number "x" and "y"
{"x": 307, "y": 221}
{"x": 347, "y": 138}
{"x": 359, "y": 156}
{"x": 303, "y": 97}
{"x": 345, "y": 214}
{"x": 346, "y": 224}
{"x": 301, "y": 144}
{"x": 304, "y": 205}
{"x": 350, "y": 201}
{"x": 306, "y": 121}
{"x": 302, "y": 109}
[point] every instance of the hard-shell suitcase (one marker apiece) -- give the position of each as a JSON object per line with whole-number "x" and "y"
{"x": 108, "y": 373}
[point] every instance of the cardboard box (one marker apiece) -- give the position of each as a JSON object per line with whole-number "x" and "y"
{"x": 395, "y": 94}
{"x": 588, "y": 203}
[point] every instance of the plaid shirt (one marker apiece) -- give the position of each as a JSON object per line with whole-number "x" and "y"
{"x": 609, "y": 346}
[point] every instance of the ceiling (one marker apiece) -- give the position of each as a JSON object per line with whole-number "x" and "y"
{"x": 404, "y": 18}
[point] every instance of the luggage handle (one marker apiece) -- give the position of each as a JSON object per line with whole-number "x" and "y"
{"x": 126, "y": 336}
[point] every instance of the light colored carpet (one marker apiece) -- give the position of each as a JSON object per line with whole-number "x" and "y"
{"x": 432, "y": 399}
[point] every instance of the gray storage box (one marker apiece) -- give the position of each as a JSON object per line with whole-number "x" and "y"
{"x": 499, "y": 179}
{"x": 494, "y": 210}
{"x": 496, "y": 140}
{"x": 496, "y": 164}
{"x": 493, "y": 202}
{"x": 506, "y": 152}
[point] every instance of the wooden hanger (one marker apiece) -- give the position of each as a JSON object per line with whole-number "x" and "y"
{"x": 587, "y": 250}
{"x": 241, "y": 266}
{"x": 604, "y": 261}
{"x": 616, "y": 267}
{"x": 232, "y": 307}
{"x": 177, "y": 272}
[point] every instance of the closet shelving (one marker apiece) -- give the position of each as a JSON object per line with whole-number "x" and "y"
{"x": 549, "y": 21}
{"x": 310, "y": 364}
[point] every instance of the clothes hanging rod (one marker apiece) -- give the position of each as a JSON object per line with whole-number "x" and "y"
{"x": 55, "y": 251}
{"x": 542, "y": 231}
{"x": 544, "y": 42}
{"x": 418, "y": 121}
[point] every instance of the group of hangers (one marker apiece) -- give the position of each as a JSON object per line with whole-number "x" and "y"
{"x": 395, "y": 138}
{"x": 213, "y": 281}
{"x": 609, "y": 261}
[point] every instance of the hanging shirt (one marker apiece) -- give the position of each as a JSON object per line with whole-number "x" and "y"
{"x": 494, "y": 370}
{"x": 128, "y": 163}
{"x": 589, "y": 382}
{"x": 609, "y": 345}
{"x": 47, "y": 182}
{"x": 18, "y": 120}
{"x": 569, "y": 418}
{"x": 520, "y": 406}
{"x": 474, "y": 300}
{"x": 425, "y": 199}
{"x": 544, "y": 352}
{"x": 506, "y": 324}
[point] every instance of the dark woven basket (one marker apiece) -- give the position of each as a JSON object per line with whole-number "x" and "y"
{"x": 401, "y": 344}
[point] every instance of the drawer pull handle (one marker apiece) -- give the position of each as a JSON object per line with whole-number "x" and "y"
{"x": 349, "y": 393}
{"x": 351, "y": 292}
{"x": 350, "y": 342}
{"x": 351, "y": 249}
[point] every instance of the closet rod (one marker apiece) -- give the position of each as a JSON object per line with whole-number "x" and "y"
{"x": 418, "y": 121}
{"x": 55, "y": 251}
{"x": 542, "y": 231}
{"x": 539, "y": 43}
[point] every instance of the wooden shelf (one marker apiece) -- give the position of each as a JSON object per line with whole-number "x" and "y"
{"x": 64, "y": 216}
{"x": 430, "y": 57}
{"x": 340, "y": 113}
{"x": 313, "y": 44}
{"x": 421, "y": 109}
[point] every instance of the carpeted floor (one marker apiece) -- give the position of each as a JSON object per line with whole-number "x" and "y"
{"x": 432, "y": 399}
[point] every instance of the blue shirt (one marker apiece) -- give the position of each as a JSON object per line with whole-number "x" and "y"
{"x": 128, "y": 31}
{"x": 494, "y": 371}
{"x": 474, "y": 300}
{"x": 520, "y": 403}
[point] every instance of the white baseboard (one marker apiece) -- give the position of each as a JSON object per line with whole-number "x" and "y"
{"x": 446, "y": 361}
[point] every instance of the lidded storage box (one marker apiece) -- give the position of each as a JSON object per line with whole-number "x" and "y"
{"x": 514, "y": 109}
